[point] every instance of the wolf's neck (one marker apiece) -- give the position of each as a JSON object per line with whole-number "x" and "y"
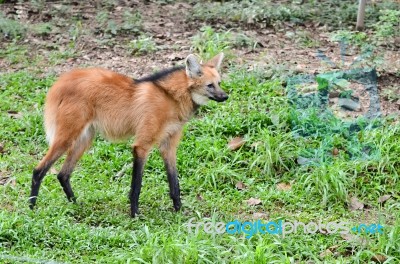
{"x": 176, "y": 85}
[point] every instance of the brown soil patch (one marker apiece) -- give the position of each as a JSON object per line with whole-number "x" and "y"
{"x": 169, "y": 26}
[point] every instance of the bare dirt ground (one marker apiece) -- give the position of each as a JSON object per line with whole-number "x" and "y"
{"x": 172, "y": 31}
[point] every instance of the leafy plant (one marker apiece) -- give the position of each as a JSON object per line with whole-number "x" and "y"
{"x": 132, "y": 22}
{"x": 306, "y": 39}
{"x": 14, "y": 53}
{"x": 102, "y": 18}
{"x": 241, "y": 40}
{"x": 388, "y": 24}
{"x": 207, "y": 43}
{"x": 75, "y": 31}
{"x": 11, "y": 29}
{"x": 391, "y": 93}
{"x": 359, "y": 39}
{"x": 105, "y": 24}
{"x": 142, "y": 45}
{"x": 261, "y": 13}
{"x": 333, "y": 80}
{"x": 99, "y": 228}
{"x": 38, "y": 5}
{"x": 108, "y": 4}
{"x": 42, "y": 29}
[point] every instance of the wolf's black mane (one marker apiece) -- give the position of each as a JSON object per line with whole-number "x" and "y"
{"x": 158, "y": 76}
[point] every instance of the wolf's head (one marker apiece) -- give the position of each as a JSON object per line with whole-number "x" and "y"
{"x": 205, "y": 79}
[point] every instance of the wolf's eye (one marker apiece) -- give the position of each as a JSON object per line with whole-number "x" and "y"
{"x": 211, "y": 86}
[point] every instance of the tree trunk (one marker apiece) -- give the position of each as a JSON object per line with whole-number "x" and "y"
{"x": 361, "y": 15}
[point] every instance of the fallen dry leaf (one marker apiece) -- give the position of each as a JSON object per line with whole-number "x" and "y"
{"x": 4, "y": 180}
{"x": 14, "y": 114}
{"x": 355, "y": 204}
{"x": 199, "y": 197}
{"x": 354, "y": 238}
{"x": 300, "y": 67}
{"x": 257, "y": 216}
{"x": 236, "y": 143}
{"x": 335, "y": 152}
{"x": 253, "y": 201}
{"x": 284, "y": 186}
{"x": 256, "y": 144}
{"x": 329, "y": 251}
{"x": 348, "y": 236}
{"x": 13, "y": 182}
{"x": 379, "y": 258}
{"x": 323, "y": 231}
{"x": 240, "y": 186}
{"x": 325, "y": 253}
{"x": 384, "y": 198}
{"x": 175, "y": 57}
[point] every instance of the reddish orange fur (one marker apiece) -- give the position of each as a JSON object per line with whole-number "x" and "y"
{"x": 84, "y": 101}
{"x": 116, "y": 106}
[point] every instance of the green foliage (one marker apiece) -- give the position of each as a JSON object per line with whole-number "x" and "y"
{"x": 387, "y": 27}
{"x": 371, "y": 55}
{"x": 304, "y": 38}
{"x": 283, "y": 143}
{"x": 14, "y": 53}
{"x": 59, "y": 56}
{"x": 351, "y": 37}
{"x": 11, "y": 29}
{"x": 165, "y": 2}
{"x": 99, "y": 227}
{"x": 42, "y": 29}
{"x": 392, "y": 93}
{"x": 37, "y": 5}
{"x": 75, "y": 31}
{"x": 108, "y": 4}
{"x": 262, "y": 13}
{"x": 132, "y": 23}
{"x": 105, "y": 24}
{"x": 208, "y": 43}
{"x": 241, "y": 40}
{"x": 388, "y": 24}
{"x": 143, "y": 44}
{"x": 331, "y": 81}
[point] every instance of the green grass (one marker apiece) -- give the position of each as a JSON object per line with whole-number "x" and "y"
{"x": 261, "y": 13}
{"x": 10, "y": 28}
{"x": 208, "y": 42}
{"x": 15, "y": 53}
{"x": 143, "y": 44}
{"x": 99, "y": 228}
{"x": 384, "y": 31}
{"x": 131, "y": 23}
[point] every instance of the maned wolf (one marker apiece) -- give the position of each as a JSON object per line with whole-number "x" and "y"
{"x": 153, "y": 109}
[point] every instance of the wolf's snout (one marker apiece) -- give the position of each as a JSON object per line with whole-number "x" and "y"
{"x": 221, "y": 97}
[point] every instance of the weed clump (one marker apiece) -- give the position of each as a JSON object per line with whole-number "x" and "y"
{"x": 11, "y": 29}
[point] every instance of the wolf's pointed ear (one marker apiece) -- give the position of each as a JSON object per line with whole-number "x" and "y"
{"x": 193, "y": 67}
{"x": 216, "y": 61}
